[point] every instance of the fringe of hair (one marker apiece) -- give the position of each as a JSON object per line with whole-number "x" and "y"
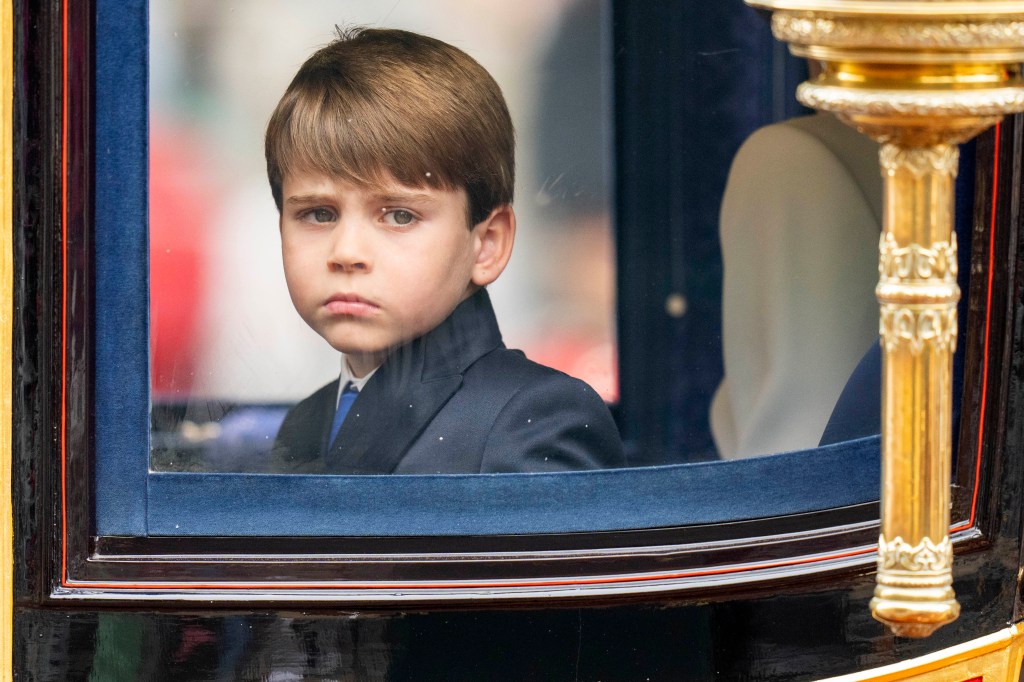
{"x": 381, "y": 106}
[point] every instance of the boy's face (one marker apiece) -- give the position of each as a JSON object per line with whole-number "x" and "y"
{"x": 371, "y": 268}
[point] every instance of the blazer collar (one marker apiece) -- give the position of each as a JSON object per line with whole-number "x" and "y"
{"x": 470, "y": 332}
{"x": 408, "y": 390}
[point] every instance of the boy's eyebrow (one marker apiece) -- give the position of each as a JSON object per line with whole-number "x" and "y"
{"x": 306, "y": 198}
{"x": 390, "y": 197}
{"x": 387, "y": 197}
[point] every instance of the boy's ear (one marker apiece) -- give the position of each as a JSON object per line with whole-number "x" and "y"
{"x": 493, "y": 237}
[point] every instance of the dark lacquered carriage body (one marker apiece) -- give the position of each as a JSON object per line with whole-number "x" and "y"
{"x": 782, "y": 597}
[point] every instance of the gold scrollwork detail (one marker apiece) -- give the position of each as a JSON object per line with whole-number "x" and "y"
{"x": 966, "y": 103}
{"x": 920, "y": 161}
{"x": 916, "y": 262}
{"x": 918, "y": 327}
{"x": 897, "y": 554}
{"x": 806, "y": 29}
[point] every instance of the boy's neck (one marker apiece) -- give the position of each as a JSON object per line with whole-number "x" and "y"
{"x": 359, "y": 365}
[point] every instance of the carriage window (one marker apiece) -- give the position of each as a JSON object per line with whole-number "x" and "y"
{"x": 729, "y": 315}
{"x": 229, "y": 351}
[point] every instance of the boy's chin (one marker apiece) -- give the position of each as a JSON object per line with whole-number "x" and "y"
{"x": 360, "y": 351}
{"x": 362, "y": 342}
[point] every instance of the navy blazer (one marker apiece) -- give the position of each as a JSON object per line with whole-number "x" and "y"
{"x": 455, "y": 400}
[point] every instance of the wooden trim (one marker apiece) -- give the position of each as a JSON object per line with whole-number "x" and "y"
{"x": 6, "y": 318}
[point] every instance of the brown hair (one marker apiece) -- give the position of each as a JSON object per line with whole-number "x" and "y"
{"x": 375, "y": 103}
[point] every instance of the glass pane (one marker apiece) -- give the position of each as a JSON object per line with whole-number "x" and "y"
{"x": 229, "y": 353}
{"x": 747, "y": 242}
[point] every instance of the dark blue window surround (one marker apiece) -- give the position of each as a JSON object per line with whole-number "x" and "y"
{"x": 131, "y": 501}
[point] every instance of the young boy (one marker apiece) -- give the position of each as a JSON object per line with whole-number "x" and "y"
{"x": 390, "y": 157}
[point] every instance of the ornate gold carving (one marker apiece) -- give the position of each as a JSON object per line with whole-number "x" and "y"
{"x": 914, "y": 592}
{"x": 917, "y": 288}
{"x": 861, "y": 33}
{"x": 916, "y": 262}
{"x": 925, "y": 556}
{"x": 955, "y": 9}
{"x": 919, "y": 161}
{"x": 988, "y": 102}
{"x": 919, "y": 328}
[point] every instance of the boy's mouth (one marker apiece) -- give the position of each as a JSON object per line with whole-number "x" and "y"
{"x": 350, "y": 304}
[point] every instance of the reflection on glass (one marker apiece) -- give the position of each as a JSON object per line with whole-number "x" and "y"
{"x": 229, "y": 354}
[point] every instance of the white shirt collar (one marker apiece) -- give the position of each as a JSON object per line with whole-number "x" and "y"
{"x": 346, "y": 377}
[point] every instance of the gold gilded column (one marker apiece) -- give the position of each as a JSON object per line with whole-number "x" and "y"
{"x": 920, "y": 77}
{"x": 917, "y": 293}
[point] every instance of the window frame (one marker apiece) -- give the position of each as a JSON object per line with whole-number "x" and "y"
{"x": 703, "y": 559}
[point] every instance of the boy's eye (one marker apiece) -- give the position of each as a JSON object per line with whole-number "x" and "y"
{"x": 321, "y": 215}
{"x": 399, "y": 216}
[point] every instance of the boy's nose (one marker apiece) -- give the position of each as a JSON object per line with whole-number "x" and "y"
{"x": 348, "y": 253}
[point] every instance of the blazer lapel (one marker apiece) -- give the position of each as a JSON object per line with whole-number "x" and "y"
{"x": 409, "y": 389}
{"x": 389, "y": 414}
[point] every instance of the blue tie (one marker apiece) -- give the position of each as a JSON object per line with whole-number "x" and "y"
{"x": 348, "y": 396}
